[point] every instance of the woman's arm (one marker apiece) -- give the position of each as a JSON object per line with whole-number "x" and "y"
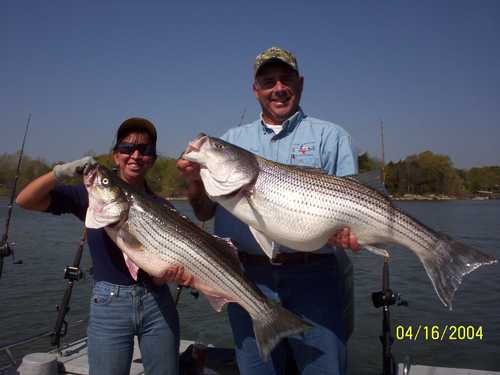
{"x": 36, "y": 195}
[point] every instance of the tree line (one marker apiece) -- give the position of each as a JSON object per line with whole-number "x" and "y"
{"x": 164, "y": 178}
{"x": 424, "y": 173}
{"x": 430, "y": 173}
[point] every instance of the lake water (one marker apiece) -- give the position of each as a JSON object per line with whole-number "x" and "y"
{"x": 47, "y": 243}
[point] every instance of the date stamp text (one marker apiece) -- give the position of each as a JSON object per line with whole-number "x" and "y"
{"x": 448, "y": 332}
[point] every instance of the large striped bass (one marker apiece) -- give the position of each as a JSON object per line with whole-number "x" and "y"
{"x": 302, "y": 208}
{"x": 157, "y": 239}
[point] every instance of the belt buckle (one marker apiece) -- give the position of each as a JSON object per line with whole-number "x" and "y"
{"x": 275, "y": 262}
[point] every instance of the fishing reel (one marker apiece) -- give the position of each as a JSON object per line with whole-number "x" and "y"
{"x": 72, "y": 273}
{"x": 7, "y": 249}
{"x": 387, "y": 298}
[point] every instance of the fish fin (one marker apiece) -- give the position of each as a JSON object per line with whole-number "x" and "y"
{"x": 133, "y": 269}
{"x": 448, "y": 262}
{"x": 277, "y": 324}
{"x": 124, "y": 239}
{"x": 371, "y": 179}
{"x": 377, "y": 251}
{"x": 229, "y": 251}
{"x": 217, "y": 302}
{"x": 269, "y": 246}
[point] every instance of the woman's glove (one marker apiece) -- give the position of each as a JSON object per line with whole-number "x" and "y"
{"x": 72, "y": 169}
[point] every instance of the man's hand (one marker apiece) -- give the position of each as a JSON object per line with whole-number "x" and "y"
{"x": 203, "y": 207}
{"x": 345, "y": 239}
{"x": 72, "y": 169}
{"x": 190, "y": 170}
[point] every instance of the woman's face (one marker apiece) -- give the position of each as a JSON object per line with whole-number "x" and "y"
{"x": 133, "y": 167}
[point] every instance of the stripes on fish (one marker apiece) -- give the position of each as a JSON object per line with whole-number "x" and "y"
{"x": 158, "y": 239}
{"x": 302, "y": 208}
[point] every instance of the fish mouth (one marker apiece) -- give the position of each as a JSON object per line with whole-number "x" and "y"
{"x": 89, "y": 175}
{"x": 194, "y": 146}
{"x": 106, "y": 206}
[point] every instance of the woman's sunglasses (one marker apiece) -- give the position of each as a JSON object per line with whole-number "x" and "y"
{"x": 145, "y": 149}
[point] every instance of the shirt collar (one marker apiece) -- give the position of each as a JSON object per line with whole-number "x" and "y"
{"x": 288, "y": 125}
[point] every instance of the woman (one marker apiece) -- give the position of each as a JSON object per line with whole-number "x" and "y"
{"x": 121, "y": 307}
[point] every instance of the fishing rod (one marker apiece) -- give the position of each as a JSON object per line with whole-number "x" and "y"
{"x": 385, "y": 298}
{"x": 5, "y": 247}
{"x": 71, "y": 273}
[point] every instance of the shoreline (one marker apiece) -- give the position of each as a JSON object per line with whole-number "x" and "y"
{"x": 439, "y": 197}
{"x": 405, "y": 197}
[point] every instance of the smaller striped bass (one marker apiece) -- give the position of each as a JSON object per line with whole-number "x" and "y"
{"x": 158, "y": 239}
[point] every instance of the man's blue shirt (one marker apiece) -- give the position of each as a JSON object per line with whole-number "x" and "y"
{"x": 304, "y": 141}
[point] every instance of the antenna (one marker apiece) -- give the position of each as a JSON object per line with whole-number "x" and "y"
{"x": 382, "y": 171}
{"x": 242, "y": 116}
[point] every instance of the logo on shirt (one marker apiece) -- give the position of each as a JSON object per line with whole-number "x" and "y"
{"x": 303, "y": 149}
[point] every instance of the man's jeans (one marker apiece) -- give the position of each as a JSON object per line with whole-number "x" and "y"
{"x": 310, "y": 291}
{"x": 117, "y": 314}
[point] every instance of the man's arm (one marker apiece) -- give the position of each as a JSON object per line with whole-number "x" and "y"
{"x": 203, "y": 207}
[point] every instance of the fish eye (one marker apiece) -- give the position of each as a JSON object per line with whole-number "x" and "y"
{"x": 105, "y": 181}
{"x": 220, "y": 146}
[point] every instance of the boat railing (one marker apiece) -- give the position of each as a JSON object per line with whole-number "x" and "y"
{"x": 8, "y": 349}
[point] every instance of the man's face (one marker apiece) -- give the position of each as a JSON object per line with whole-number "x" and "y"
{"x": 278, "y": 87}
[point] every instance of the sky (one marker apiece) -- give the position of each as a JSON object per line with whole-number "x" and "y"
{"x": 429, "y": 70}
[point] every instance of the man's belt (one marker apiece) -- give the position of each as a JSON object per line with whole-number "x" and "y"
{"x": 284, "y": 258}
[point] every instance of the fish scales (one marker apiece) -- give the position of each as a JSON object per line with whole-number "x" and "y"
{"x": 159, "y": 240}
{"x": 338, "y": 208}
{"x": 181, "y": 248}
{"x": 351, "y": 208}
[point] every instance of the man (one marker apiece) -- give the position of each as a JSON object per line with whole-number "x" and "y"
{"x": 305, "y": 284}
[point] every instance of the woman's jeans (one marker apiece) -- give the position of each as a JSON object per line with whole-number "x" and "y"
{"x": 117, "y": 314}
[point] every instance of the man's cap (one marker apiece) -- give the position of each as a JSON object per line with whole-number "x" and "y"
{"x": 136, "y": 124}
{"x": 275, "y": 54}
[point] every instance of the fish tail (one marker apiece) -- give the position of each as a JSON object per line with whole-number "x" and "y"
{"x": 275, "y": 325}
{"x": 448, "y": 262}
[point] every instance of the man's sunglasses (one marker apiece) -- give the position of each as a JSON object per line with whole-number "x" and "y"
{"x": 145, "y": 149}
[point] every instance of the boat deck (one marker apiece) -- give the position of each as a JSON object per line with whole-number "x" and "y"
{"x": 218, "y": 361}
{"x": 428, "y": 370}
{"x": 73, "y": 360}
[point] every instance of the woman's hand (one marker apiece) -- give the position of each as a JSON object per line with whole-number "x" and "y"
{"x": 174, "y": 275}
{"x": 72, "y": 169}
